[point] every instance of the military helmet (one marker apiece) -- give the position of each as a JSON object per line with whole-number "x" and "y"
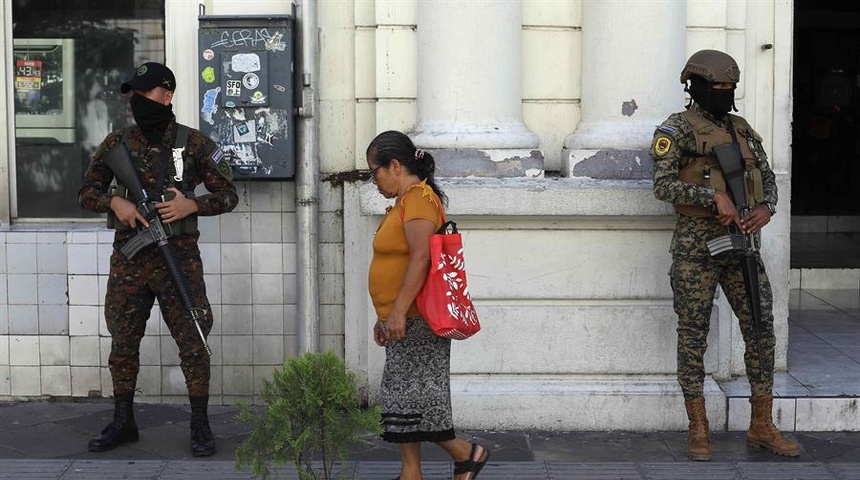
{"x": 712, "y": 65}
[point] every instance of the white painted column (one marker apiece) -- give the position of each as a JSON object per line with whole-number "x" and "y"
{"x": 181, "y": 56}
{"x": 632, "y": 56}
{"x": 469, "y": 78}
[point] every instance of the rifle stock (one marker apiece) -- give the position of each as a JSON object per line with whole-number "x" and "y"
{"x": 119, "y": 161}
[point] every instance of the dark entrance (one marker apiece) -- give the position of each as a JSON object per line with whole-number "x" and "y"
{"x": 825, "y": 181}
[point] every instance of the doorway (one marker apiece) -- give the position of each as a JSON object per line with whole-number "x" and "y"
{"x": 825, "y": 181}
{"x": 823, "y": 321}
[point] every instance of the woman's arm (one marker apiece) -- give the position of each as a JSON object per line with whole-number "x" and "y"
{"x": 418, "y": 232}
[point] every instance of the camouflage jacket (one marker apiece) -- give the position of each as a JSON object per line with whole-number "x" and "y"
{"x": 209, "y": 168}
{"x": 673, "y": 146}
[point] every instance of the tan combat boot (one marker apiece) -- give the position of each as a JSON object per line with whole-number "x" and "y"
{"x": 699, "y": 438}
{"x": 764, "y": 434}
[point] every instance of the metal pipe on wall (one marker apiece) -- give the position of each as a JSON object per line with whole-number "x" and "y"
{"x": 7, "y": 113}
{"x": 307, "y": 187}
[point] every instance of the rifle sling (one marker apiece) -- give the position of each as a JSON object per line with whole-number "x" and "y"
{"x": 180, "y": 140}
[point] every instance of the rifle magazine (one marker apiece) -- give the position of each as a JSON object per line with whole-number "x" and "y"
{"x": 725, "y": 243}
{"x": 141, "y": 239}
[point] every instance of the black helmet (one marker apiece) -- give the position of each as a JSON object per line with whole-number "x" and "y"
{"x": 712, "y": 65}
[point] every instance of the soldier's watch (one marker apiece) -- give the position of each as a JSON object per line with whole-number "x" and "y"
{"x": 771, "y": 207}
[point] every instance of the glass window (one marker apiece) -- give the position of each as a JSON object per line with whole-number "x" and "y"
{"x": 70, "y": 56}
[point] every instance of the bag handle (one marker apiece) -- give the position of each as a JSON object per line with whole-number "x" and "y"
{"x": 443, "y": 230}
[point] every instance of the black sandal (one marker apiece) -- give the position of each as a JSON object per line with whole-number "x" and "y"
{"x": 471, "y": 465}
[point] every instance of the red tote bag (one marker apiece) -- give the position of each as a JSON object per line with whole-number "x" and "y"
{"x": 444, "y": 300}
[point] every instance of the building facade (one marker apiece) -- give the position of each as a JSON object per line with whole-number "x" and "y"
{"x": 540, "y": 114}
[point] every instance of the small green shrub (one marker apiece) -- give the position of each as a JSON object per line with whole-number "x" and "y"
{"x": 313, "y": 411}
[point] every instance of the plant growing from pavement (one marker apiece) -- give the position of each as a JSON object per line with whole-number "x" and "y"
{"x": 313, "y": 414}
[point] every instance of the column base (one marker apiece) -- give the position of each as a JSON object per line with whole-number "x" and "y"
{"x": 578, "y": 402}
{"x": 607, "y": 164}
{"x": 498, "y": 163}
{"x": 609, "y": 150}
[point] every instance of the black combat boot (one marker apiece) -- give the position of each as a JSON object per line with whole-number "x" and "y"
{"x": 202, "y": 440}
{"x": 122, "y": 429}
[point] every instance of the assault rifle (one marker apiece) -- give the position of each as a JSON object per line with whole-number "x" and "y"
{"x": 732, "y": 163}
{"x": 119, "y": 161}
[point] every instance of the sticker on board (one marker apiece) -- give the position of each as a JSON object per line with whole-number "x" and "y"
{"x": 234, "y": 88}
{"x": 245, "y": 62}
{"x": 251, "y": 81}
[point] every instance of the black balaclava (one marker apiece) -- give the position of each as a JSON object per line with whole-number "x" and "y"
{"x": 714, "y": 101}
{"x": 152, "y": 117}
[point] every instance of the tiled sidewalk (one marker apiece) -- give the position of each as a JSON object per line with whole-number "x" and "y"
{"x": 184, "y": 470}
{"x": 47, "y": 440}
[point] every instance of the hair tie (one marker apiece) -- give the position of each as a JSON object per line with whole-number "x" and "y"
{"x": 419, "y": 154}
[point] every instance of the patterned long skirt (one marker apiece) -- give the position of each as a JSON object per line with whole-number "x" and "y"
{"x": 416, "y": 387}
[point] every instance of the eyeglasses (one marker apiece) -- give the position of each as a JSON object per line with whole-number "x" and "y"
{"x": 371, "y": 174}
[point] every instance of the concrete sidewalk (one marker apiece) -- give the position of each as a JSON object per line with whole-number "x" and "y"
{"x": 48, "y": 440}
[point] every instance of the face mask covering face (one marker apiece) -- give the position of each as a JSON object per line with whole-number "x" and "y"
{"x": 721, "y": 102}
{"x": 152, "y": 117}
{"x": 717, "y": 102}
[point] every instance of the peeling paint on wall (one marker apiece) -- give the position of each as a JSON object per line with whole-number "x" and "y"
{"x": 629, "y": 108}
{"x": 616, "y": 165}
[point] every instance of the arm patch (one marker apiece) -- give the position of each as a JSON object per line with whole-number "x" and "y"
{"x": 662, "y": 145}
{"x": 669, "y": 129}
{"x": 217, "y": 155}
{"x": 222, "y": 166}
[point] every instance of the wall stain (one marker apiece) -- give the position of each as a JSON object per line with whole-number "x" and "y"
{"x": 629, "y": 108}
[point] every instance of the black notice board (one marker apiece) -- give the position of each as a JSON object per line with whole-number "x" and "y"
{"x": 245, "y": 78}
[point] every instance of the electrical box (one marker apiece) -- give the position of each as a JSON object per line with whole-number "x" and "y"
{"x": 245, "y": 75}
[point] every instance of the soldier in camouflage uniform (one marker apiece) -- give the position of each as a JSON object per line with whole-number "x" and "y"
{"x": 688, "y": 175}
{"x": 171, "y": 160}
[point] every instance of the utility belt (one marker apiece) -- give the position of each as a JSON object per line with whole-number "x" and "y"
{"x": 186, "y": 226}
{"x": 706, "y": 171}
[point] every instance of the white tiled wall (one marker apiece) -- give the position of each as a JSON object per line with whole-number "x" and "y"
{"x": 53, "y": 279}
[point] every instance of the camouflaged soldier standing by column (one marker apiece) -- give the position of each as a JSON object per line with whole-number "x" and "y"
{"x": 688, "y": 175}
{"x": 170, "y": 160}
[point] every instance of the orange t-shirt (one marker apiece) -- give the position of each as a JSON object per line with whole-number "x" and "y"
{"x": 390, "y": 250}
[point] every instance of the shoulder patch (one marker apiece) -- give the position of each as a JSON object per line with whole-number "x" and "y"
{"x": 662, "y": 145}
{"x": 669, "y": 129}
{"x": 217, "y": 155}
{"x": 222, "y": 166}
{"x": 225, "y": 170}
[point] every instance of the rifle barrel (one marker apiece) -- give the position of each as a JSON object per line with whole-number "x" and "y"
{"x": 749, "y": 267}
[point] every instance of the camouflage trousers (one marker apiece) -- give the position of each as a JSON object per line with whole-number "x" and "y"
{"x": 132, "y": 288}
{"x": 694, "y": 281}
